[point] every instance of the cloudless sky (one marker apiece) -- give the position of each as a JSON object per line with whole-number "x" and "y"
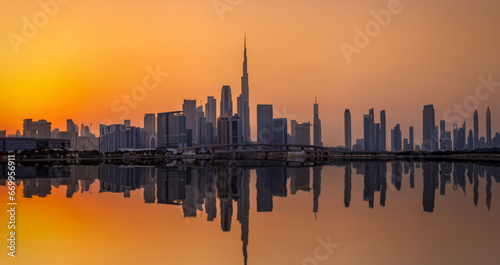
{"x": 90, "y": 53}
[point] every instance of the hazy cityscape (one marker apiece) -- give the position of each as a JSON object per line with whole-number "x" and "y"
{"x": 199, "y": 125}
{"x": 250, "y": 132}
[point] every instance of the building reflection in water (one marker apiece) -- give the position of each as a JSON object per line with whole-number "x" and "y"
{"x": 196, "y": 189}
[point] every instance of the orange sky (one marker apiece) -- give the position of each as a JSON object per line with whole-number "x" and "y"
{"x": 90, "y": 53}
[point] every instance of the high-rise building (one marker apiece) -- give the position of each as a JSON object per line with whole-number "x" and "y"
{"x": 412, "y": 139}
{"x": 383, "y": 131}
{"x": 36, "y": 129}
{"x": 171, "y": 128}
{"x": 378, "y": 146}
{"x": 369, "y": 131}
{"x": 224, "y": 130}
{"x": 226, "y": 102}
{"x": 396, "y": 138}
{"x": 280, "y": 131}
{"x": 442, "y": 130}
{"x": 447, "y": 143}
{"x": 428, "y": 129}
{"x": 119, "y": 137}
{"x": 317, "y": 126}
{"x": 189, "y": 110}
{"x": 476, "y": 130}
{"x": 211, "y": 115}
{"x": 127, "y": 123}
{"x": 236, "y": 135}
{"x": 264, "y": 123}
{"x": 459, "y": 137}
{"x": 150, "y": 130}
{"x": 301, "y": 133}
{"x": 243, "y": 100}
{"x": 488, "y": 128}
{"x": 347, "y": 129}
{"x": 71, "y": 134}
{"x": 202, "y": 131}
{"x": 470, "y": 141}
{"x": 211, "y": 110}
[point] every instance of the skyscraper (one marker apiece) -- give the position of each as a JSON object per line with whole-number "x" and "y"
{"x": 428, "y": 129}
{"x": 189, "y": 110}
{"x": 224, "y": 130}
{"x": 211, "y": 115}
{"x": 280, "y": 131}
{"x": 442, "y": 130}
{"x": 150, "y": 129}
{"x": 476, "y": 130}
{"x": 226, "y": 102}
{"x": 264, "y": 123}
{"x": 488, "y": 128}
{"x": 412, "y": 143}
{"x": 171, "y": 128}
{"x": 317, "y": 126}
{"x": 244, "y": 99}
{"x": 396, "y": 138}
{"x": 301, "y": 133}
{"x": 211, "y": 109}
{"x": 347, "y": 129}
{"x": 236, "y": 137}
{"x": 383, "y": 131}
{"x": 369, "y": 131}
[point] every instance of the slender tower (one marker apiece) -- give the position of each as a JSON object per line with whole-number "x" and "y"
{"x": 476, "y": 130}
{"x": 243, "y": 100}
{"x": 488, "y": 128}
{"x": 347, "y": 129}
{"x": 317, "y": 125}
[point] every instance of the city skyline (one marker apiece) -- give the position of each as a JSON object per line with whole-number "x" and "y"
{"x": 80, "y": 73}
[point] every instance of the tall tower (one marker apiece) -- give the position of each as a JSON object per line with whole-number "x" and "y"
{"x": 243, "y": 100}
{"x": 488, "y": 128}
{"x": 347, "y": 129}
{"x": 476, "y": 130}
{"x": 383, "y": 131}
{"x": 429, "y": 124}
{"x": 317, "y": 126}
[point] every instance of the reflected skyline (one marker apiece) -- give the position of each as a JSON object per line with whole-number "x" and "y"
{"x": 215, "y": 191}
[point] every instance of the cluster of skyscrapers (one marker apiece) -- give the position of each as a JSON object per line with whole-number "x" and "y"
{"x": 435, "y": 138}
{"x": 200, "y": 126}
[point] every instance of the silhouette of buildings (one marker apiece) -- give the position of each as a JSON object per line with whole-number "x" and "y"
{"x": 36, "y": 129}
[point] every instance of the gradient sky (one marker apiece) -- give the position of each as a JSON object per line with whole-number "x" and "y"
{"x": 90, "y": 53}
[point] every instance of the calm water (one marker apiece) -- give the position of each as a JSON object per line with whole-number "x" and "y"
{"x": 349, "y": 213}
